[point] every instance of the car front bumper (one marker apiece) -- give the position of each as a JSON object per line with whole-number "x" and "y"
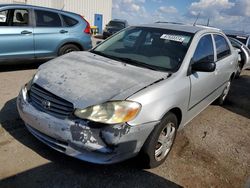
{"x": 102, "y": 145}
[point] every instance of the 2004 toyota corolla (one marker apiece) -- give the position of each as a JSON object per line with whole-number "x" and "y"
{"x": 130, "y": 94}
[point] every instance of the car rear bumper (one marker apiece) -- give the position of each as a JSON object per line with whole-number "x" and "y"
{"x": 76, "y": 138}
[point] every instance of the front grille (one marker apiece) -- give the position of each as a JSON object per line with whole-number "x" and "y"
{"x": 49, "y": 103}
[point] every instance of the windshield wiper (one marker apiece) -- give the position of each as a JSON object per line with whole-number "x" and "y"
{"x": 130, "y": 61}
{"x": 105, "y": 55}
{"x": 141, "y": 64}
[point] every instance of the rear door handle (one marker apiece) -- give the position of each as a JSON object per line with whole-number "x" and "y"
{"x": 25, "y": 32}
{"x": 63, "y": 31}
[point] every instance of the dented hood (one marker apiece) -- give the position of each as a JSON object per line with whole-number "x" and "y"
{"x": 86, "y": 79}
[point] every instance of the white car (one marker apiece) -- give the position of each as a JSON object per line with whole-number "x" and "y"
{"x": 244, "y": 55}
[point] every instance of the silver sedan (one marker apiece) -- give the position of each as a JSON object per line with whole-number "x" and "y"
{"x": 130, "y": 94}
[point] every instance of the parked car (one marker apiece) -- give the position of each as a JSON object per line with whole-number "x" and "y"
{"x": 31, "y": 32}
{"x": 117, "y": 101}
{"x": 113, "y": 27}
{"x": 244, "y": 55}
{"x": 240, "y": 36}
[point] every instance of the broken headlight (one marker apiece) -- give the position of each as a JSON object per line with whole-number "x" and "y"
{"x": 110, "y": 112}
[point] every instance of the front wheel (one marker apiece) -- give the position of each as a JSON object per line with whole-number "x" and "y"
{"x": 160, "y": 142}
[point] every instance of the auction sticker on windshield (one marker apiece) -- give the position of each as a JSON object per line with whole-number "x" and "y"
{"x": 173, "y": 37}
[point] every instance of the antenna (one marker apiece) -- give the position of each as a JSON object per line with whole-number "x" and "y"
{"x": 196, "y": 19}
{"x": 208, "y": 21}
{"x": 63, "y": 6}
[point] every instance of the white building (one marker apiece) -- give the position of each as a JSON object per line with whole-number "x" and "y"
{"x": 97, "y": 12}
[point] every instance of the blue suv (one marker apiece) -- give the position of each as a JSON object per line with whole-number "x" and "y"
{"x": 31, "y": 32}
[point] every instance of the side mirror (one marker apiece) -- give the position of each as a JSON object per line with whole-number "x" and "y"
{"x": 204, "y": 67}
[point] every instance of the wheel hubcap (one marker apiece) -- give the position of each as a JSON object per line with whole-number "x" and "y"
{"x": 165, "y": 141}
{"x": 226, "y": 90}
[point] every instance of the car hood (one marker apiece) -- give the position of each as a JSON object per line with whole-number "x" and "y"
{"x": 86, "y": 79}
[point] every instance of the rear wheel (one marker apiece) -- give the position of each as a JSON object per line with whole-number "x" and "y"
{"x": 67, "y": 49}
{"x": 160, "y": 142}
{"x": 224, "y": 94}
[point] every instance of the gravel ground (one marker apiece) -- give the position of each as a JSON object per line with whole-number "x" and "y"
{"x": 211, "y": 151}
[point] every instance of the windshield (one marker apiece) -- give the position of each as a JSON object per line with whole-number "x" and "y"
{"x": 154, "y": 48}
{"x": 116, "y": 24}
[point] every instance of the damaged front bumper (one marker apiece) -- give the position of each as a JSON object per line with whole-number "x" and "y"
{"x": 78, "y": 138}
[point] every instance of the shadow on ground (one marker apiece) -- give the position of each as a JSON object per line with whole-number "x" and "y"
{"x": 64, "y": 171}
{"x": 20, "y": 66}
{"x": 238, "y": 99}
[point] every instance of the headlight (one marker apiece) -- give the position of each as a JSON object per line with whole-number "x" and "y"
{"x": 110, "y": 112}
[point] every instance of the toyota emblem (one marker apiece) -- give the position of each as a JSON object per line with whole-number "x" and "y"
{"x": 46, "y": 104}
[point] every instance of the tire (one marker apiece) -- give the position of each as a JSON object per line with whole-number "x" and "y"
{"x": 151, "y": 155}
{"x": 67, "y": 49}
{"x": 222, "y": 98}
{"x": 239, "y": 69}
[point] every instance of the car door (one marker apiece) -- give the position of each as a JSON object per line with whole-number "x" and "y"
{"x": 48, "y": 33}
{"x": 203, "y": 84}
{"x": 16, "y": 34}
{"x": 224, "y": 60}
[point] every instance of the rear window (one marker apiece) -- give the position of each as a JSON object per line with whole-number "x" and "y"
{"x": 47, "y": 19}
{"x": 222, "y": 47}
{"x": 68, "y": 21}
{"x": 116, "y": 24}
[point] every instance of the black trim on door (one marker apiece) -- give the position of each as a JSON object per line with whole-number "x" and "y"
{"x": 206, "y": 96}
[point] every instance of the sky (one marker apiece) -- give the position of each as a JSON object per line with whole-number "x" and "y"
{"x": 224, "y": 14}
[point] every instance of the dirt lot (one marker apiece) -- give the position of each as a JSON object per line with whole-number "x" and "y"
{"x": 212, "y": 151}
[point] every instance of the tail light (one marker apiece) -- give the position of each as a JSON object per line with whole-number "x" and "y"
{"x": 87, "y": 30}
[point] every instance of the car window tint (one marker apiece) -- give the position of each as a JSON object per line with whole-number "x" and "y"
{"x": 205, "y": 50}
{"x": 222, "y": 47}
{"x": 20, "y": 17}
{"x": 3, "y": 17}
{"x": 68, "y": 21}
{"x": 47, "y": 19}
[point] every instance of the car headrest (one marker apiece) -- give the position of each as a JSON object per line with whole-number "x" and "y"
{"x": 25, "y": 18}
{"x": 19, "y": 17}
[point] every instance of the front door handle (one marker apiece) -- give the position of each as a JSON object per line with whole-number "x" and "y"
{"x": 63, "y": 31}
{"x": 25, "y": 32}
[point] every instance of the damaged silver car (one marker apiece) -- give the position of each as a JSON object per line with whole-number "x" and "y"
{"x": 130, "y": 94}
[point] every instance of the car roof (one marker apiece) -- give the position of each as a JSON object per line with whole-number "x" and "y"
{"x": 118, "y": 20}
{"x": 33, "y": 6}
{"x": 181, "y": 27}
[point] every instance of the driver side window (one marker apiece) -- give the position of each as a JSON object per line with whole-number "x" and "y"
{"x": 204, "y": 51}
